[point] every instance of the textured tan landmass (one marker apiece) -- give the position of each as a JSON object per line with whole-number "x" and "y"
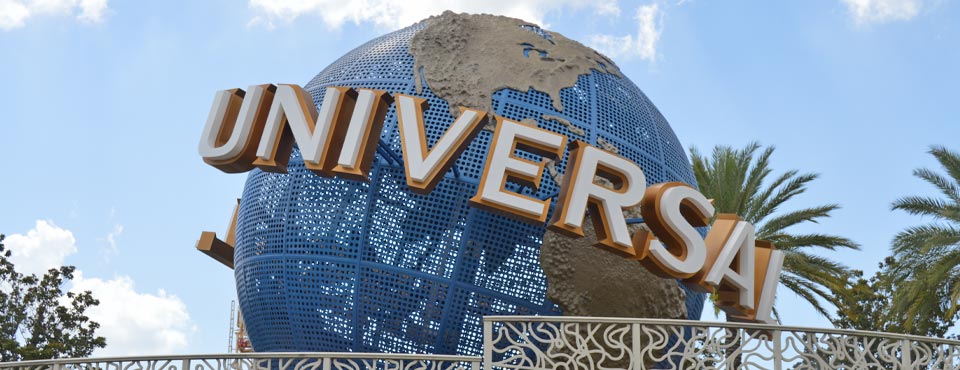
{"x": 588, "y": 281}
{"x": 530, "y": 122}
{"x": 466, "y": 58}
{"x": 608, "y": 146}
{"x": 573, "y": 129}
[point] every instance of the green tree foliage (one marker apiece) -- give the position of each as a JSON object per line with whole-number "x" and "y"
{"x": 867, "y": 304}
{"x": 38, "y": 320}
{"x": 740, "y": 181}
{"x": 926, "y": 268}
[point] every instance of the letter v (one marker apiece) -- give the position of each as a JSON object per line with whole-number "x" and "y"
{"x": 425, "y": 167}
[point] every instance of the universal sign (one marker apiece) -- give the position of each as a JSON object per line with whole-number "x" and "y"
{"x": 257, "y": 129}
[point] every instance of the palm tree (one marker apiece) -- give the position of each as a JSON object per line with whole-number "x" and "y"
{"x": 927, "y": 257}
{"x": 737, "y": 181}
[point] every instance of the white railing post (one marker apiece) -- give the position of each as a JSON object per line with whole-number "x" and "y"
{"x": 326, "y": 363}
{"x": 905, "y": 361}
{"x": 777, "y": 350}
{"x": 635, "y": 350}
{"x": 186, "y": 364}
{"x": 487, "y": 344}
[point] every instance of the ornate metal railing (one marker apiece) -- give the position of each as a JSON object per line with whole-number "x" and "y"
{"x": 529, "y": 342}
{"x": 258, "y": 361}
{"x": 525, "y": 342}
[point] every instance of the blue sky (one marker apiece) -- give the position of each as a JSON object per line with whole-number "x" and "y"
{"x": 103, "y": 103}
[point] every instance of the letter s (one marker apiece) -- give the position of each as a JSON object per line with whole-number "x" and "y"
{"x": 672, "y": 211}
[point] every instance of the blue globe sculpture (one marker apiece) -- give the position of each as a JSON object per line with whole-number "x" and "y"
{"x": 329, "y": 264}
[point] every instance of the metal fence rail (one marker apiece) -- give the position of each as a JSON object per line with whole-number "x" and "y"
{"x": 524, "y": 342}
{"x": 258, "y": 361}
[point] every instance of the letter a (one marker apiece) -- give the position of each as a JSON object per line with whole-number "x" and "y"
{"x": 769, "y": 262}
{"x": 730, "y": 264}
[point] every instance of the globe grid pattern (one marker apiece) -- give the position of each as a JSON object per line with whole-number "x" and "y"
{"x": 328, "y": 264}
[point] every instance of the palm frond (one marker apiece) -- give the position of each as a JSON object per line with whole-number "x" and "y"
{"x": 752, "y": 215}
{"x": 781, "y": 222}
{"x": 910, "y": 266}
{"x": 807, "y": 291}
{"x": 790, "y": 242}
{"x": 924, "y": 239}
{"x": 795, "y": 186}
{"x": 704, "y": 179}
{"x": 729, "y": 170}
{"x": 921, "y": 206}
{"x": 947, "y": 186}
{"x": 949, "y": 159}
{"x": 821, "y": 270}
{"x": 916, "y": 298}
{"x": 929, "y": 292}
{"x": 954, "y": 300}
{"x": 754, "y": 180}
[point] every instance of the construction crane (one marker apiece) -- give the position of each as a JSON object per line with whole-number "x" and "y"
{"x": 238, "y": 341}
{"x": 230, "y": 329}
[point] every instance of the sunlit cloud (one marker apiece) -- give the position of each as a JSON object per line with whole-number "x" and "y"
{"x": 15, "y": 13}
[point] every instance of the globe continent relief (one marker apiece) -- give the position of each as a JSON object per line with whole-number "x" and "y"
{"x": 329, "y": 264}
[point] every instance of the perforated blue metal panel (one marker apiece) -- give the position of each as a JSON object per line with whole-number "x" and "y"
{"x": 326, "y": 264}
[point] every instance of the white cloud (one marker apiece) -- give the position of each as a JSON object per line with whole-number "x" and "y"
{"x": 15, "y": 13}
{"x": 40, "y": 249}
{"x": 136, "y": 323}
{"x": 51, "y": 6}
{"x": 644, "y": 44}
{"x": 399, "y": 13}
{"x": 92, "y": 11}
{"x": 112, "y": 239}
{"x": 610, "y": 8}
{"x": 865, "y": 12}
